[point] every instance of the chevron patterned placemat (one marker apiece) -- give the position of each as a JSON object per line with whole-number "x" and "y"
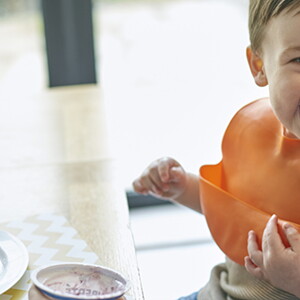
{"x": 49, "y": 238}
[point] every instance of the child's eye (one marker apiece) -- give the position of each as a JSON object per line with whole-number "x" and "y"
{"x": 296, "y": 60}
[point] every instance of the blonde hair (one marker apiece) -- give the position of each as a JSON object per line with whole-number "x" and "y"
{"x": 260, "y": 13}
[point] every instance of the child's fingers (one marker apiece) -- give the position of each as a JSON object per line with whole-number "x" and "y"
{"x": 158, "y": 177}
{"x": 151, "y": 185}
{"x": 164, "y": 168}
{"x": 254, "y": 252}
{"x": 252, "y": 268}
{"x": 158, "y": 185}
{"x": 145, "y": 185}
{"x": 138, "y": 187}
{"x": 271, "y": 238}
{"x": 293, "y": 237}
{"x": 176, "y": 174}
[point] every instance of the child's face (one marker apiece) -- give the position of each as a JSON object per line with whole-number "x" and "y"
{"x": 280, "y": 68}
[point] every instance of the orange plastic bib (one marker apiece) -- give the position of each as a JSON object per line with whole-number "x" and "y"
{"x": 258, "y": 176}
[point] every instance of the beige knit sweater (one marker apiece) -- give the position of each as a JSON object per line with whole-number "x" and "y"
{"x": 231, "y": 281}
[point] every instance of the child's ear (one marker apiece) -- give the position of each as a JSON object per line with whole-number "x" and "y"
{"x": 257, "y": 68}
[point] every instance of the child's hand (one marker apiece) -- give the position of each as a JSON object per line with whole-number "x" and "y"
{"x": 275, "y": 263}
{"x": 165, "y": 178}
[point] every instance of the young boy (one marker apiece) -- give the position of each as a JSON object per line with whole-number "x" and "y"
{"x": 259, "y": 174}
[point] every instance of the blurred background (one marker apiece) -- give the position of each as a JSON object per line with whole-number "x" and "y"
{"x": 172, "y": 74}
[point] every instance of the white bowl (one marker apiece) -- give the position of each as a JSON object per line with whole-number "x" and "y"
{"x": 79, "y": 281}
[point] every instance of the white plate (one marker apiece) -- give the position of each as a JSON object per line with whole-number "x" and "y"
{"x": 13, "y": 260}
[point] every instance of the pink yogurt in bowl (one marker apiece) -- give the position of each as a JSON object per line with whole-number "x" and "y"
{"x": 79, "y": 282}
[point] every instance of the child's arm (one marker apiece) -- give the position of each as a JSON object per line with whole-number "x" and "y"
{"x": 275, "y": 263}
{"x": 165, "y": 178}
